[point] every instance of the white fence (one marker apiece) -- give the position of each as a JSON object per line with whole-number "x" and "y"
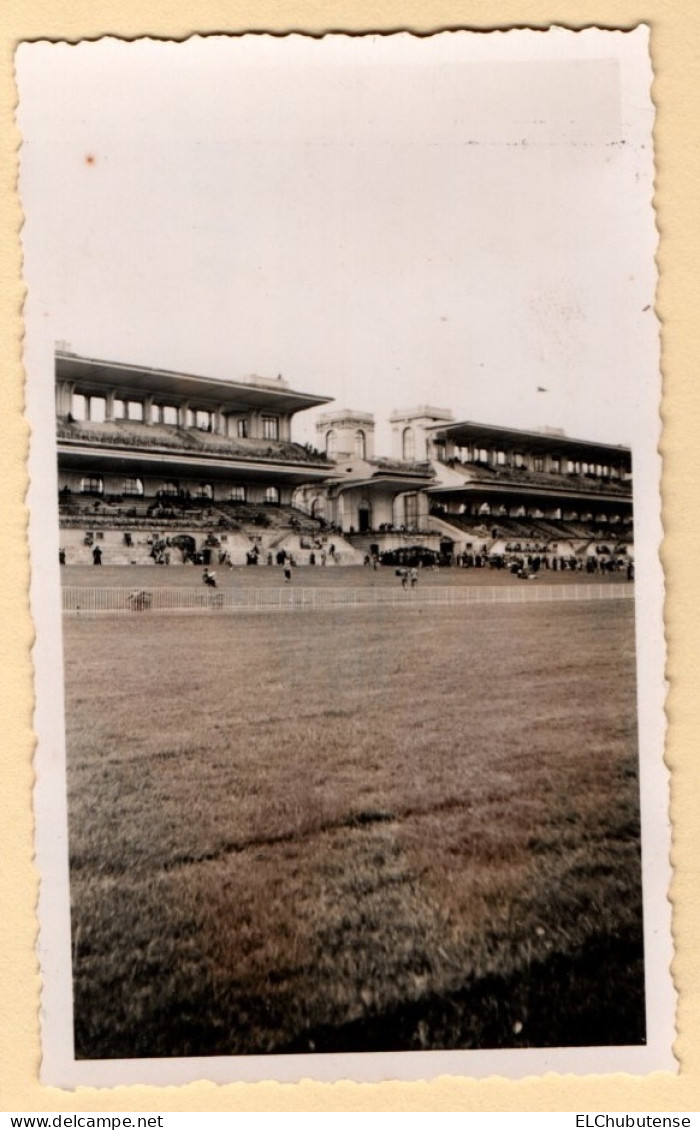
{"x": 292, "y": 599}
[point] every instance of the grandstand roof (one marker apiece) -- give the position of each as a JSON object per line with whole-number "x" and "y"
{"x": 513, "y": 489}
{"x": 467, "y": 431}
{"x": 95, "y": 375}
{"x": 392, "y": 480}
{"x": 391, "y": 473}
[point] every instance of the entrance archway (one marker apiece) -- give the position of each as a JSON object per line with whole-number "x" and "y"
{"x": 186, "y": 544}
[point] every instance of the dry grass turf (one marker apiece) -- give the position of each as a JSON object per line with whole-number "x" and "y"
{"x": 376, "y": 829}
{"x": 263, "y": 576}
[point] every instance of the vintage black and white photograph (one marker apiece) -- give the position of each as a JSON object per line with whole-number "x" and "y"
{"x": 343, "y": 381}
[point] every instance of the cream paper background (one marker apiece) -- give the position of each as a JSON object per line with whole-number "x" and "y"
{"x": 675, "y": 42}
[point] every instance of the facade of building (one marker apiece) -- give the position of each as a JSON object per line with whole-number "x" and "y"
{"x": 174, "y": 432}
{"x": 145, "y": 453}
{"x": 465, "y": 487}
{"x": 367, "y": 494}
{"x": 156, "y": 465}
{"x": 513, "y": 481}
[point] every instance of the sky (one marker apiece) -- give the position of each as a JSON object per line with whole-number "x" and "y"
{"x": 463, "y": 220}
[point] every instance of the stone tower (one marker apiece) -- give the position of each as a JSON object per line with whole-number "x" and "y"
{"x": 410, "y": 439}
{"x": 345, "y": 434}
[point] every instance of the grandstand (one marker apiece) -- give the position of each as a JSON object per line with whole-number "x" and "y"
{"x": 496, "y": 486}
{"x": 156, "y": 466}
{"x": 466, "y": 489}
{"x": 164, "y": 467}
{"x": 378, "y": 502}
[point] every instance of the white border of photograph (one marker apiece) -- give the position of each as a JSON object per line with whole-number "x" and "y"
{"x": 58, "y": 1065}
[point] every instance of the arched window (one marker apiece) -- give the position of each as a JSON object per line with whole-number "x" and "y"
{"x": 237, "y": 494}
{"x": 272, "y": 495}
{"x": 91, "y": 484}
{"x": 330, "y": 444}
{"x": 318, "y": 507}
{"x": 205, "y": 490}
{"x": 360, "y": 444}
{"x": 132, "y": 485}
{"x": 408, "y": 444}
{"x": 171, "y": 488}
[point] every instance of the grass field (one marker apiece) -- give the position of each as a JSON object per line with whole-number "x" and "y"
{"x": 262, "y": 576}
{"x": 399, "y": 829}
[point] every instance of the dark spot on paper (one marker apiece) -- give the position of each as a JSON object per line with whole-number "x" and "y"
{"x": 90, "y": 159}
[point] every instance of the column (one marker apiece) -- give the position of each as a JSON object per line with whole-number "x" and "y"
{"x": 64, "y": 397}
{"x": 219, "y": 420}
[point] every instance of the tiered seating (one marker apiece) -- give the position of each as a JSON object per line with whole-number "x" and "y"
{"x": 540, "y": 529}
{"x": 133, "y": 433}
{"x": 172, "y": 512}
{"x": 248, "y": 515}
{"x": 520, "y": 476}
{"x": 479, "y": 527}
{"x": 128, "y": 511}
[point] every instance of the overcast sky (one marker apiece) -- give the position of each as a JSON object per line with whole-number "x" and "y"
{"x": 461, "y": 220}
